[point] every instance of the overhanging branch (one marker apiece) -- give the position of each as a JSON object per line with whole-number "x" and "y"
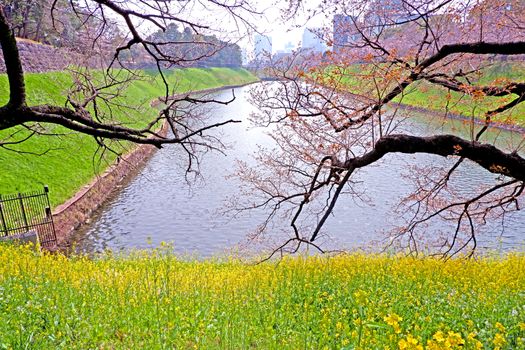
{"x": 487, "y": 156}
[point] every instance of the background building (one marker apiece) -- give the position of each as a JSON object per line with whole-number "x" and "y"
{"x": 311, "y": 41}
{"x": 344, "y": 31}
{"x": 263, "y": 47}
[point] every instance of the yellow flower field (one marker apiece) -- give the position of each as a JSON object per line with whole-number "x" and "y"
{"x": 156, "y": 301}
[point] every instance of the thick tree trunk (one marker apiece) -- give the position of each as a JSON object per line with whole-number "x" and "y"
{"x": 13, "y": 64}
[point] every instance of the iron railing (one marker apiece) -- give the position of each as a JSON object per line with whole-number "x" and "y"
{"x": 30, "y": 211}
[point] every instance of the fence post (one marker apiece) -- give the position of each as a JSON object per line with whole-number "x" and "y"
{"x": 49, "y": 213}
{"x": 2, "y": 218}
{"x": 23, "y": 210}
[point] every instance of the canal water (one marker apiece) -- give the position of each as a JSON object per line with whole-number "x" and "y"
{"x": 160, "y": 204}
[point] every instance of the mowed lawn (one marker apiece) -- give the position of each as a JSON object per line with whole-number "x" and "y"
{"x": 69, "y": 160}
{"x": 157, "y": 301}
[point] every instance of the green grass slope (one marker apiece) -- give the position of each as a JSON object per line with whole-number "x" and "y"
{"x": 68, "y": 161}
{"x": 440, "y": 99}
{"x": 156, "y": 301}
{"x": 360, "y": 78}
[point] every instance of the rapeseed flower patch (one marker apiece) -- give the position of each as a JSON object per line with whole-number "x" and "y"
{"x": 154, "y": 300}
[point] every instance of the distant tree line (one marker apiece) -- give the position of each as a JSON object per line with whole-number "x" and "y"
{"x": 192, "y": 48}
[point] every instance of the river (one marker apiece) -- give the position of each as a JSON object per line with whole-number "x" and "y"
{"x": 159, "y": 205}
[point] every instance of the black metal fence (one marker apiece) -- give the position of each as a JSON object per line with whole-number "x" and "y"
{"x": 30, "y": 211}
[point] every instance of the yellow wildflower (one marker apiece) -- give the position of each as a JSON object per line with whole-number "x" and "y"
{"x": 410, "y": 343}
{"x": 360, "y": 296}
{"x": 432, "y": 345}
{"x": 499, "y": 340}
{"x": 454, "y": 339}
{"x": 392, "y": 319}
{"x": 439, "y": 336}
{"x": 397, "y": 329}
{"x": 478, "y": 345}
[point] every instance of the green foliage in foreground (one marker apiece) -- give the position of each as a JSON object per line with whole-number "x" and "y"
{"x": 156, "y": 301}
{"x": 68, "y": 161}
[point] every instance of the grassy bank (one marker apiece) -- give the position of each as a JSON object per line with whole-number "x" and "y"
{"x": 440, "y": 99}
{"x": 362, "y": 78}
{"x": 347, "y": 302}
{"x": 70, "y": 160}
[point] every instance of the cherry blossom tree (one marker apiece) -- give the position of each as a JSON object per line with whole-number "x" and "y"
{"x": 332, "y": 119}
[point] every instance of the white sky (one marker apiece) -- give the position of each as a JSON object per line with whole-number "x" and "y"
{"x": 291, "y": 31}
{"x": 270, "y": 23}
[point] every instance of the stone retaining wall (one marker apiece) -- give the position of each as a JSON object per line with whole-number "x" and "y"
{"x": 37, "y": 58}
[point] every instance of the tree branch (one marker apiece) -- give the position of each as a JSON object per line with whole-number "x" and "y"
{"x": 487, "y": 156}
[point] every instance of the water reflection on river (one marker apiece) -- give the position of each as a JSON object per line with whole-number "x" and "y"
{"x": 158, "y": 204}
